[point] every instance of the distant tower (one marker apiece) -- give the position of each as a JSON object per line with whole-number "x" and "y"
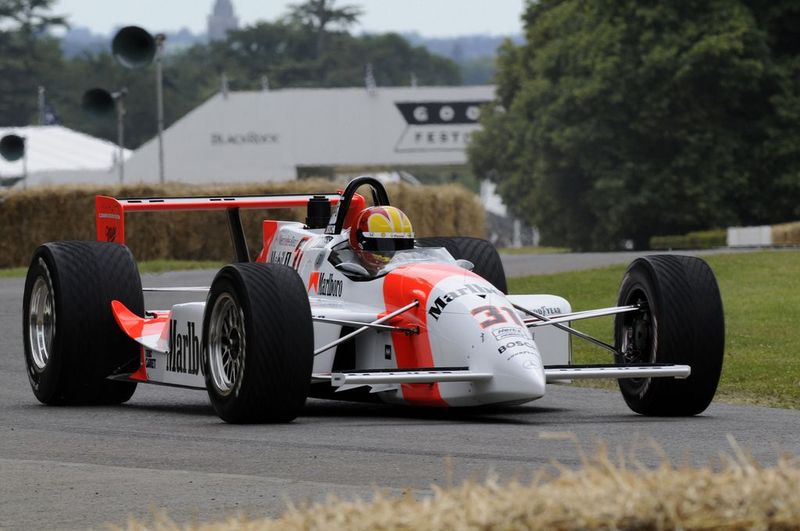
{"x": 221, "y": 20}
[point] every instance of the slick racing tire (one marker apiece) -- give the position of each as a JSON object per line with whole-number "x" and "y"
{"x": 480, "y": 252}
{"x": 258, "y": 340}
{"x": 71, "y": 339}
{"x": 683, "y": 323}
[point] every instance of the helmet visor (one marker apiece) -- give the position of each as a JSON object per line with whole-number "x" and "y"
{"x": 386, "y": 244}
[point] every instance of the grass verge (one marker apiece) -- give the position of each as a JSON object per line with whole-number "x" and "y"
{"x": 605, "y": 493}
{"x": 761, "y": 296}
{"x": 532, "y": 250}
{"x": 148, "y": 266}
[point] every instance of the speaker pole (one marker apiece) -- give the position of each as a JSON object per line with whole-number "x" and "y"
{"x": 160, "y": 38}
{"x": 41, "y": 104}
{"x": 119, "y": 100}
{"x": 25, "y": 168}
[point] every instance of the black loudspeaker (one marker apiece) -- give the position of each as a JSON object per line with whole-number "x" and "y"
{"x": 98, "y": 101}
{"x": 133, "y": 47}
{"x": 12, "y": 147}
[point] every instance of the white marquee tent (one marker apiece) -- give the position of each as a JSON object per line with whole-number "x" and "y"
{"x": 58, "y": 155}
{"x": 271, "y": 135}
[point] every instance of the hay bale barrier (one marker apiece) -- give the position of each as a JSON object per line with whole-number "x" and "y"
{"x": 604, "y": 493}
{"x": 31, "y": 217}
{"x": 786, "y": 233}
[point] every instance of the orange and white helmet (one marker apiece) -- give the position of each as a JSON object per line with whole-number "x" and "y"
{"x": 381, "y": 229}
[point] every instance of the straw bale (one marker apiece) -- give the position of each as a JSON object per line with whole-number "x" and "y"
{"x": 604, "y": 493}
{"x": 786, "y": 233}
{"x": 31, "y": 217}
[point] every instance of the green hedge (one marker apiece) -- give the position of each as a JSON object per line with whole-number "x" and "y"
{"x": 31, "y": 217}
{"x": 705, "y": 239}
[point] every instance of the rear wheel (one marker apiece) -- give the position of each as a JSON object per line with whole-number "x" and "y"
{"x": 681, "y": 322}
{"x": 480, "y": 252}
{"x": 71, "y": 340}
{"x": 258, "y": 341}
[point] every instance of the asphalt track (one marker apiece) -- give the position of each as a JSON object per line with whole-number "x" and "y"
{"x": 79, "y": 467}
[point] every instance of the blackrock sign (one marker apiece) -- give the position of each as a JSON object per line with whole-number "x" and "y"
{"x": 252, "y": 136}
{"x": 438, "y": 125}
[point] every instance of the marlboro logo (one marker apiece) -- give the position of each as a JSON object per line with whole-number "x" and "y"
{"x": 325, "y": 285}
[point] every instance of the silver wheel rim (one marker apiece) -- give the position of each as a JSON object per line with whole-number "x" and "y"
{"x": 226, "y": 344}
{"x": 41, "y": 322}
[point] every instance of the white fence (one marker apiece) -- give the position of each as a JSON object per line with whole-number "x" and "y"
{"x": 749, "y": 236}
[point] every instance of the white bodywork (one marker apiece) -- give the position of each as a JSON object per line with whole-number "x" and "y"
{"x": 472, "y": 347}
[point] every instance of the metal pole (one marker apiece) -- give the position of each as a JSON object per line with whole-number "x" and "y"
{"x": 366, "y": 327}
{"x": 569, "y": 330}
{"x": 119, "y": 99}
{"x": 41, "y": 105}
{"x": 25, "y": 164}
{"x": 160, "y": 38}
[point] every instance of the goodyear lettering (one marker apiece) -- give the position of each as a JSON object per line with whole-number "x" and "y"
{"x": 546, "y": 310}
{"x": 441, "y": 302}
{"x": 184, "y": 350}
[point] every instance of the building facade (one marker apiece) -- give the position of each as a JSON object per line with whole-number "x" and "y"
{"x": 285, "y": 134}
{"x": 221, "y": 20}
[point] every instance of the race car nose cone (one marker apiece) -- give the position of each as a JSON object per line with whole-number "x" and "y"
{"x": 519, "y": 373}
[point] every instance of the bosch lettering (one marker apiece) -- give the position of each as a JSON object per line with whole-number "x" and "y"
{"x": 515, "y": 344}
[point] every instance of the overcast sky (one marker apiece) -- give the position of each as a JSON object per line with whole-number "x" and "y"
{"x": 431, "y": 18}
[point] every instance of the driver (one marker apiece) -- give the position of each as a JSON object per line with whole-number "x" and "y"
{"x": 378, "y": 232}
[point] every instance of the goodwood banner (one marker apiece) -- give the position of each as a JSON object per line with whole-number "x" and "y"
{"x": 438, "y": 125}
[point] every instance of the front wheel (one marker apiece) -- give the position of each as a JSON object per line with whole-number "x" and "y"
{"x": 681, "y": 322}
{"x": 72, "y": 342}
{"x": 258, "y": 340}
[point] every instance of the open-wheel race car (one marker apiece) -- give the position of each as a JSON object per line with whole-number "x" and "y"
{"x": 350, "y": 305}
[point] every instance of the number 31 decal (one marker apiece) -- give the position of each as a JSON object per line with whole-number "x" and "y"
{"x": 494, "y": 315}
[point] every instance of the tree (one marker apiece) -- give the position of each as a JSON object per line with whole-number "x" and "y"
{"x": 32, "y": 17}
{"x": 625, "y": 119}
{"x": 320, "y": 15}
{"x": 285, "y": 53}
{"x": 26, "y": 55}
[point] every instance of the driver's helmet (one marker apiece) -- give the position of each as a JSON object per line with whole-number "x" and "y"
{"x": 378, "y": 232}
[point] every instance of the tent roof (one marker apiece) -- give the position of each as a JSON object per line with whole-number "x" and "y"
{"x": 267, "y": 135}
{"x": 57, "y": 148}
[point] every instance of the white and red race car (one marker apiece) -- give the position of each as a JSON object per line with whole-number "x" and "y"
{"x": 427, "y": 325}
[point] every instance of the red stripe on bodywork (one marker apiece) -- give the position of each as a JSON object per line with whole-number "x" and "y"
{"x": 402, "y": 286}
{"x": 270, "y": 228}
{"x": 136, "y": 327}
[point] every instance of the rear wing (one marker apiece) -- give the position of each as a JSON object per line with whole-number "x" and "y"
{"x": 110, "y": 212}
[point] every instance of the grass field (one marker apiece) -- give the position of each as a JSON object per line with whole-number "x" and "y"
{"x": 761, "y": 295}
{"x": 532, "y": 250}
{"x": 149, "y": 266}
